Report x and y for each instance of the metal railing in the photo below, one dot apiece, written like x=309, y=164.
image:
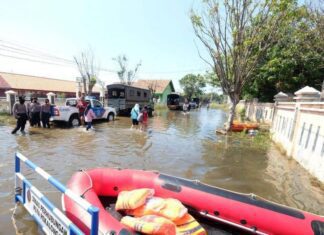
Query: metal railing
x=50, y=218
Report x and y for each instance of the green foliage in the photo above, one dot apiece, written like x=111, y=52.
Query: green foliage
x=236, y=35
x=93, y=80
x=192, y=85
x=212, y=79
x=296, y=60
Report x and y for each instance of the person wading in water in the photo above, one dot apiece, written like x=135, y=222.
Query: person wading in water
x=81, y=105
x=134, y=114
x=46, y=113
x=20, y=113
x=34, y=111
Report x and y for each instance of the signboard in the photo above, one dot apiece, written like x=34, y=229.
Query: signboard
x=37, y=208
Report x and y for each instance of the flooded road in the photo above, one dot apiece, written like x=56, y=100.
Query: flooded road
x=176, y=144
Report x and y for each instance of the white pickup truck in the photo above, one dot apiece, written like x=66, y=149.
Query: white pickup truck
x=70, y=113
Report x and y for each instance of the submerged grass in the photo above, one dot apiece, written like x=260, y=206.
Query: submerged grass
x=214, y=105
x=160, y=107
x=5, y=118
x=260, y=141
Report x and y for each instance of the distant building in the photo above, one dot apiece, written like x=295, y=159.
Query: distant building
x=159, y=88
x=39, y=86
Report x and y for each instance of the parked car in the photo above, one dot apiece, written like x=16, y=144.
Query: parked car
x=70, y=113
x=193, y=105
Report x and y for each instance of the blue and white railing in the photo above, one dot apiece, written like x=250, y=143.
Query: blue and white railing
x=49, y=218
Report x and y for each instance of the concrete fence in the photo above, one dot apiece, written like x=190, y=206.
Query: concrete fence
x=259, y=112
x=298, y=127
x=5, y=105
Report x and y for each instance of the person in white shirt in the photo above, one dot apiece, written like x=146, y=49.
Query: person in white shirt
x=20, y=113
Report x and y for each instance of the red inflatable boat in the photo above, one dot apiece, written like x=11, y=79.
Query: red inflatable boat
x=211, y=206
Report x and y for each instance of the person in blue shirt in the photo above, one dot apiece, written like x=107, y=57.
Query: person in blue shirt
x=134, y=115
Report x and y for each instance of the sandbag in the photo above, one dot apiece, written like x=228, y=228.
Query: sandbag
x=133, y=199
x=173, y=209
x=187, y=225
x=152, y=206
x=169, y=208
x=150, y=224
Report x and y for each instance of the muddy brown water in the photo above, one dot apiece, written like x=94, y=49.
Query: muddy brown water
x=173, y=143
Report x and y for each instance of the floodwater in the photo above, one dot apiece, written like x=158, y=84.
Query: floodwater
x=176, y=144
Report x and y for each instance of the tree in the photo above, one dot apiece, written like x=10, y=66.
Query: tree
x=236, y=34
x=212, y=97
x=126, y=76
x=211, y=79
x=88, y=70
x=152, y=86
x=192, y=85
x=296, y=60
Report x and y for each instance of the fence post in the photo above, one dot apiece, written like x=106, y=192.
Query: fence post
x=11, y=98
x=95, y=220
x=17, y=170
x=51, y=97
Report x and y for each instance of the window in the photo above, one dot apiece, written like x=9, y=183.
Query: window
x=96, y=104
x=116, y=93
x=138, y=93
x=145, y=94
x=71, y=102
x=131, y=92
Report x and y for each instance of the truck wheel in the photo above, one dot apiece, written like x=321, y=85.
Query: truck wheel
x=74, y=120
x=111, y=117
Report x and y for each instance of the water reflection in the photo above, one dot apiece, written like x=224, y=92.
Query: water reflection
x=173, y=143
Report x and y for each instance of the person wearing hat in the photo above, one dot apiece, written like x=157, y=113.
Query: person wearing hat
x=20, y=113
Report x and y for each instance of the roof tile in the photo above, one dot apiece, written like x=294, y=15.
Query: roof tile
x=27, y=82
x=159, y=85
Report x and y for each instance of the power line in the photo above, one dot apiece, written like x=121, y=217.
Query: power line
x=32, y=60
x=19, y=47
x=46, y=58
x=30, y=54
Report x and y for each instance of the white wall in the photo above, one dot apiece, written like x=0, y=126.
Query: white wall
x=299, y=129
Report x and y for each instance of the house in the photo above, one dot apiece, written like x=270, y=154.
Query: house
x=160, y=88
x=32, y=85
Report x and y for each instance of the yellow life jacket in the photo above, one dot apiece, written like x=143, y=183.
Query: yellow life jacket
x=133, y=199
x=150, y=224
x=187, y=225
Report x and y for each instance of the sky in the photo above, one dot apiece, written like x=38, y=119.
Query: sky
x=156, y=32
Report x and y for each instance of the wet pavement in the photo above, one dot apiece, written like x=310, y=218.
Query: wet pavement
x=173, y=143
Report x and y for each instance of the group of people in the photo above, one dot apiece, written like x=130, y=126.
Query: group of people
x=37, y=113
x=139, y=117
x=33, y=111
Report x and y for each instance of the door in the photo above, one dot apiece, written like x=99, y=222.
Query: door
x=98, y=109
